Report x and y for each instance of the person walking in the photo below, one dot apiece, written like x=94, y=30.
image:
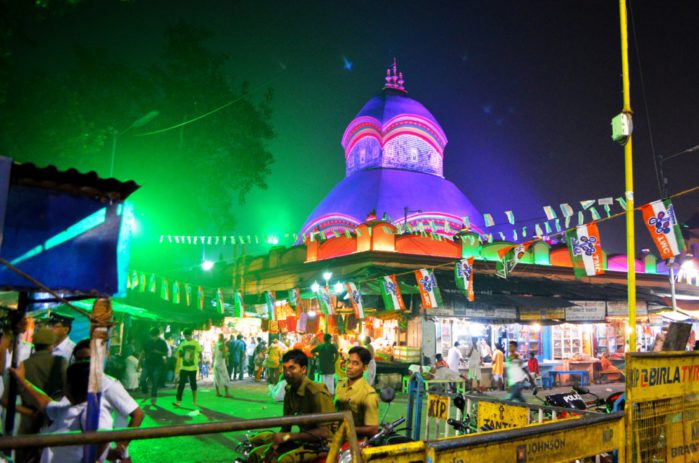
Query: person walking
x=327, y=355
x=260, y=357
x=152, y=362
x=189, y=351
x=237, y=356
x=230, y=346
x=498, y=368
x=516, y=374
x=273, y=362
x=221, y=378
x=250, y=353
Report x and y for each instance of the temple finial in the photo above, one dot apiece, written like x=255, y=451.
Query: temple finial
x=394, y=79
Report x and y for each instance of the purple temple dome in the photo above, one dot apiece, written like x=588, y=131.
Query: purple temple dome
x=394, y=151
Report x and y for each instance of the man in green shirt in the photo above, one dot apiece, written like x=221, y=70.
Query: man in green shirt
x=189, y=351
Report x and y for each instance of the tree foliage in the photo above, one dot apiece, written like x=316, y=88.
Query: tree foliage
x=194, y=162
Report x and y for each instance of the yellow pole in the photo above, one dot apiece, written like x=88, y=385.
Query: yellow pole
x=628, y=165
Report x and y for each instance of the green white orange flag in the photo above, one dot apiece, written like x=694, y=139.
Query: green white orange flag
x=219, y=301
x=585, y=250
x=431, y=297
x=239, y=305
x=295, y=298
x=142, y=284
x=463, y=275
x=325, y=301
x=176, y=297
x=509, y=258
x=200, y=296
x=390, y=292
x=270, y=304
x=659, y=217
x=188, y=294
x=151, y=284
x=356, y=299
x=165, y=289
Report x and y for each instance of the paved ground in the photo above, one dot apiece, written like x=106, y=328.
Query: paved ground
x=250, y=400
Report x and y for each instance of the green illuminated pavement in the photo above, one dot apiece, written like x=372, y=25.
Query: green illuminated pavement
x=250, y=400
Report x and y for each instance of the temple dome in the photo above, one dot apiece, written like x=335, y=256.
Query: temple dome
x=394, y=150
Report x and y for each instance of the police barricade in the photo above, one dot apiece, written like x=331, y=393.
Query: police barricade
x=662, y=409
x=592, y=436
x=346, y=431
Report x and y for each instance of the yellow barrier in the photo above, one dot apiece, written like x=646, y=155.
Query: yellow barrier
x=662, y=393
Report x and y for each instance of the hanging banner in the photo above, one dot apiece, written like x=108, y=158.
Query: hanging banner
x=509, y=258
x=585, y=250
x=356, y=300
x=295, y=298
x=659, y=218
x=431, y=297
x=176, y=298
x=188, y=294
x=164, y=289
x=239, y=306
x=325, y=300
x=463, y=275
x=200, y=295
x=390, y=292
x=270, y=303
x=220, y=306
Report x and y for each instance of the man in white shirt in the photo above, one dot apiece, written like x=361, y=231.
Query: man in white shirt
x=119, y=404
x=62, y=325
x=67, y=414
x=454, y=358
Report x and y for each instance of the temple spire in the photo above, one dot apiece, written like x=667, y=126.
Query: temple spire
x=394, y=79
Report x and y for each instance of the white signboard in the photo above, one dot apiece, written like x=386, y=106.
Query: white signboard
x=621, y=308
x=493, y=314
x=586, y=311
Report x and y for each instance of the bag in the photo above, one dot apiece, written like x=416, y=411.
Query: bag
x=278, y=391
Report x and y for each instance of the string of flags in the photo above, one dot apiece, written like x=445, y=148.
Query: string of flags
x=426, y=227
x=583, y=242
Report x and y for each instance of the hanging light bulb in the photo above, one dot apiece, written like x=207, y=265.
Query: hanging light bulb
x=338, y=288
x=315, y=287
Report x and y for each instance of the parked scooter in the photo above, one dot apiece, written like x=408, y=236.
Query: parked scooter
x=574, y=400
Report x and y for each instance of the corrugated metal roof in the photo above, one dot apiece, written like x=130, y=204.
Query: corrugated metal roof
x=72, y=181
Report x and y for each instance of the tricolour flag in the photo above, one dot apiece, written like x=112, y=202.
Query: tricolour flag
x=200, y=296
x=509, y=258
x=142, y=284
x=188, y=294
x=165, y=289
x=659, y=217
x=219, y=301
x=176, y=298
x=431, y=298
x=270, y=304
x=295, y=298
x=550, y=213
x=463, y=275
x=390, y=292
x=356, y=299
x=489, y=222
x=325, y=301
x=566, y=210
x=585, y=250
x=239, y=305
x=151, y=284
x=510, y=217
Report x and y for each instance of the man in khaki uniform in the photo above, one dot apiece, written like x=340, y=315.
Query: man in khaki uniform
x=355, y=394
x=302, y=397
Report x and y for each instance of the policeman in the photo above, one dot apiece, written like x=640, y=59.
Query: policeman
x=355, y=394
x=302, y=397
x=61, y=326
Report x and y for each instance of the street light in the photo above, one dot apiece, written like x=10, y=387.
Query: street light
x=327, y=276
x=207, y=265
x=315, y=287
x=140, y=122
x=338, y=288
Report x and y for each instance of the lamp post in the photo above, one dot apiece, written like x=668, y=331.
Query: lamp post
x=140, y=122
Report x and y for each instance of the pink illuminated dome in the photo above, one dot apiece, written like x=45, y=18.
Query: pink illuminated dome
x=394, y=151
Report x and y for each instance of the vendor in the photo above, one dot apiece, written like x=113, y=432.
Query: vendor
x=607, y=366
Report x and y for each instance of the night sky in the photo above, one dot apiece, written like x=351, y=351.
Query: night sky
x=524, y=91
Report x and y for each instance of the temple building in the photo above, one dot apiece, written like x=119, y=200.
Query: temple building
x=394, y=152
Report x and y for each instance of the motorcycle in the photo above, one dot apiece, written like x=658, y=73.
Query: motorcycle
x=464, y=425
x=574, y=400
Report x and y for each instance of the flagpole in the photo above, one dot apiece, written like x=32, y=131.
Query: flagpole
x=628, y=168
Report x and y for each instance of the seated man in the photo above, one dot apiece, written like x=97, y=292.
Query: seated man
x=355, y=394
x=302, y=397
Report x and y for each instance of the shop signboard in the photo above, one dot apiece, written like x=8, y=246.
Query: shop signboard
x=586, y=311
x=558, y=313
x=438, y=406
x=621, y=308
x=661, y=375
x=500, y=416
x=496, y=313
